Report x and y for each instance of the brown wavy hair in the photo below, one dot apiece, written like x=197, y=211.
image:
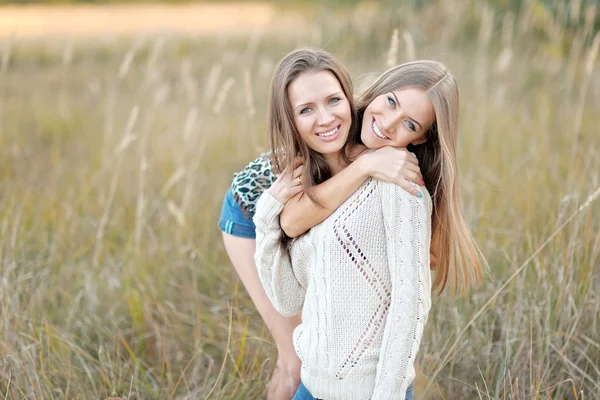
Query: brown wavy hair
x=286, y=143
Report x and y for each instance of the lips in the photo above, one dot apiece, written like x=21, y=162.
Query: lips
x=377, y=131
x=329, y=135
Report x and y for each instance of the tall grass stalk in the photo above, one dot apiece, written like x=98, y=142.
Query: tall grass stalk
x=589, y=64
x=449, y=351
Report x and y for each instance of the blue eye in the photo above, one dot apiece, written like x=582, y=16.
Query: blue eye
x=392, y=102
x=334, y=100
x=411, y=126
x=305, y=110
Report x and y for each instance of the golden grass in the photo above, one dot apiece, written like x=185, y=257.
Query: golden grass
x=115, y=156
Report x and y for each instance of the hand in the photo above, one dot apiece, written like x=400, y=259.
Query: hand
x=288, y=184
x=284, y=382
x=393, y=165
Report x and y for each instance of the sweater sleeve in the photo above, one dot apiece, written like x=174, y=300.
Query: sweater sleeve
x=407, y=221
x=273, y=260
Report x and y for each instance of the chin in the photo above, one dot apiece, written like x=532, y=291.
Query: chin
x=333, y=149
x=367, y=141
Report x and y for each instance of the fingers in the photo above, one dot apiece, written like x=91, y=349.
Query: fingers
x=298, y=161
x=297, y=188
x=298, y=171
x=286, y=186
x=412, y=167
x=414, y=177
x=411, y=159
x=410, y=188
x=290, y=178
x=273, y=386
x=284, y=174
x=412, y=172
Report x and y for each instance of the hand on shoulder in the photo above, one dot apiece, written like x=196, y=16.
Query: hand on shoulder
x=288, y=184
x=398, y=166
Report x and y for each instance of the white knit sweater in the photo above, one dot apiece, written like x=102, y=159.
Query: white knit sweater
x=362, y=281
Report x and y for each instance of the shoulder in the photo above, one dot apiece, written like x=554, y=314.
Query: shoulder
x=392, y=193
x=252, y=181
x=261, y=163
x=358, y=150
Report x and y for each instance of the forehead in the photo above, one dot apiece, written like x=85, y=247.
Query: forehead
x=313, y=86
x=416, y=104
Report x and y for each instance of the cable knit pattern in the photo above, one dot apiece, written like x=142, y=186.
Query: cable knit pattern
x=362, y=281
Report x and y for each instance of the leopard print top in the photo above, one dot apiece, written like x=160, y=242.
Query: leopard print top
x=250, y=183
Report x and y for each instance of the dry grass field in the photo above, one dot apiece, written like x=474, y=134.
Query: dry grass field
x=116, y=148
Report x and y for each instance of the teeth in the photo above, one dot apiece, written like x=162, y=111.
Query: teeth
x=327, y=134
x=378, y=132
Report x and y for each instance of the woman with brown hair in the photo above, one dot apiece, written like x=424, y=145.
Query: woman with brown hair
x=388, y=164
x=361, y=277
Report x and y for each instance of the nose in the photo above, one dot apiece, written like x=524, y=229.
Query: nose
x=324, y=117
x=390, y=122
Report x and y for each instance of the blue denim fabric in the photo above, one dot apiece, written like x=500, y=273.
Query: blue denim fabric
x=234, y=221
x=410, y=393
x=304, y=394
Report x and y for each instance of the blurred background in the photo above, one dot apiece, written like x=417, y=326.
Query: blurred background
x=121, y=125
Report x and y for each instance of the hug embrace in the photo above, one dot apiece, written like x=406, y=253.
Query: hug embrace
x=337, y=231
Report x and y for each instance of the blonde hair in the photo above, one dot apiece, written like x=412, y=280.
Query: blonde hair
x=286, y=143
x=459, y=260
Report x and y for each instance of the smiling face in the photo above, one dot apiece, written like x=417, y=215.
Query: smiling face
x=321, y=112
x=397, y=119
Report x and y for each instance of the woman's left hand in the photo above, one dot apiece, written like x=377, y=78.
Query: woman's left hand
x=288, y=184
x=285, y=381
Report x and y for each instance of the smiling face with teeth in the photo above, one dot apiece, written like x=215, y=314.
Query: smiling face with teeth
x=397, y=119
x=322, y=113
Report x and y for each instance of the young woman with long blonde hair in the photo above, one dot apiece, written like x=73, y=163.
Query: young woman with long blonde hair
x=393, y=165
x=361, y=277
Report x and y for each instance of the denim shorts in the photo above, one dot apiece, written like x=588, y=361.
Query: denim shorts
x=234, y=220
x=304, y=394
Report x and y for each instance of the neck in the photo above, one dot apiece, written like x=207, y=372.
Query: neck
x=335, y=162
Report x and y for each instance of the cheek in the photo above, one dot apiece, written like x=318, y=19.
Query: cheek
x=377, y=106
x=365, y=124
x=373, y=110
x=304, y=127
x=344, y=112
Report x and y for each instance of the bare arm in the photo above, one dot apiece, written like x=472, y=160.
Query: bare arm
x=286, y=376
x=386, y=164
x=300, y=213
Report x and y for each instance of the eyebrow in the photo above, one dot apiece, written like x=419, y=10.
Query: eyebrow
x=414, y=120
x=310, y=102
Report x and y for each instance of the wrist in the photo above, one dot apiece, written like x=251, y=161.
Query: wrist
x=276, y=192
x=283, y=332
x=364, y=165
x=290, y=363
